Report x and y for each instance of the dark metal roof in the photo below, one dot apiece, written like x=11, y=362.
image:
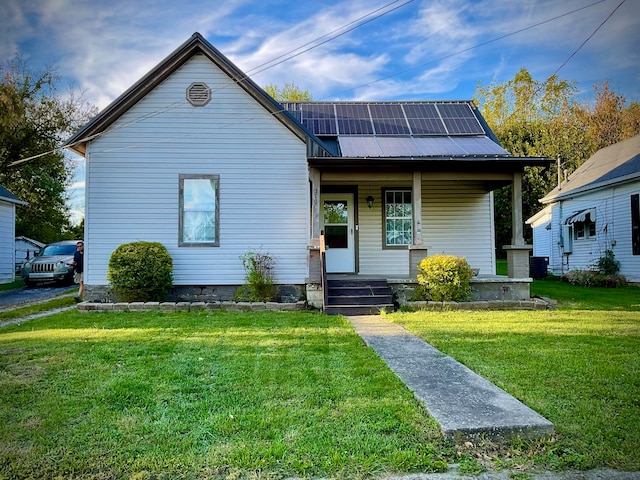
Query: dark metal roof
x=10, y=197
x=610, y=165
x=427, y=130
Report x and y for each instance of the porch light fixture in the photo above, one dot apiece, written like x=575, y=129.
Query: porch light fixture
x=370, y=202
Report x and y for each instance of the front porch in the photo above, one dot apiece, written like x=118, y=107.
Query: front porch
x=487, y=291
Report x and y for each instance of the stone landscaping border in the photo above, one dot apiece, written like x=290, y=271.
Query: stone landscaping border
x=533, y=304
x=191, y=306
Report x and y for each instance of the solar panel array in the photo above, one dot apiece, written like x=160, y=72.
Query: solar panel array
x=392, y=118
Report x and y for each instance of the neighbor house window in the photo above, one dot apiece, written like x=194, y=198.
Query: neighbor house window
x=199, y=222
x=586, y=229
x=398, y=211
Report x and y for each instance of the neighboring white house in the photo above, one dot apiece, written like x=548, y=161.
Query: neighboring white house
x=196, y=156
x=8, y=202
x=596, y=209
x=26, y=249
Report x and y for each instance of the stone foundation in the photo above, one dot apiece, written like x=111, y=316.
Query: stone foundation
x=196, y=293
x=191, y=306
x=483, y=289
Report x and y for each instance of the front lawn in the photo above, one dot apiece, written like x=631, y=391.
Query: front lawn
x=152, y=395
x=579, y=366
x=159, y=395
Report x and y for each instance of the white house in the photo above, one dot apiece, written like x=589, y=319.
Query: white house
x=594, y=210
x=8, y=202
x=196, y=156
x=26, y=248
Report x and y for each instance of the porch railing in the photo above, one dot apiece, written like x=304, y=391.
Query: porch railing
x=323, y=271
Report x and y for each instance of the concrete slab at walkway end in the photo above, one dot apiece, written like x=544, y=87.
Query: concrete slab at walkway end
x=466, y=406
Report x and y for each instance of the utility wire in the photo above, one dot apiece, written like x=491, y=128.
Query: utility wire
x=328, y=34
x=359, y=86
x=237, y=81
x=541, y=86
x=588, y=38
x=482, y=44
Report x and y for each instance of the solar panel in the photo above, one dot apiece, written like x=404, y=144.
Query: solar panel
x=459, y=119
x=353, y=119
x=319, y=118
x=388, y=119
x=423, y=119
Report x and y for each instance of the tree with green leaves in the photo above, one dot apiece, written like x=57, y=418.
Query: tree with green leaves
x=533, y=118
x=34, y=122
x=290, y=92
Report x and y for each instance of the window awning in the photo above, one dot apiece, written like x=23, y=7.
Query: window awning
x=581, y=216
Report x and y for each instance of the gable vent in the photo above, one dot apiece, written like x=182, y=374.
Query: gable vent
x=198, y=94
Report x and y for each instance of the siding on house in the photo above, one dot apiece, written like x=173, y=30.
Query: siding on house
x=7, y=238
x=133, y=181
x=613, y=231
x=457, y=219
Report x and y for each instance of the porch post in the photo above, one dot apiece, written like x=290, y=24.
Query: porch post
x=517, y=222
x=417, y=251
x=314, y=176
x=417, y=208
x=314, y=292
x=518, y=251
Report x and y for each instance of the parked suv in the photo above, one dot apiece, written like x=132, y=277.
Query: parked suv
x=50, y=265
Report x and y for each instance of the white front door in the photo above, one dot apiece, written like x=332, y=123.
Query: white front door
x=338, y=226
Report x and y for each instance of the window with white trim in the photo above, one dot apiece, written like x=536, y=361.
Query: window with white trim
x=584, y=230
x=398, y=212
x=199, y=222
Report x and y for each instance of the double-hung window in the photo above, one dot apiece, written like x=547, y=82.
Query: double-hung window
x=584, y=230
x=199, y=222
x=398, y=211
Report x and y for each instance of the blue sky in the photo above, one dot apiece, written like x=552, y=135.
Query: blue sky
x=420, y=49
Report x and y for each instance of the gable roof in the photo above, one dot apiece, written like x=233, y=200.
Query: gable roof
x=612, y=165
x=445, y=134
x=197, y=44
x=31, y=241
x=9, y=197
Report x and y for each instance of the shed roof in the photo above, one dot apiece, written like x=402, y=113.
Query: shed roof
x=7, y=196
x=612, y=165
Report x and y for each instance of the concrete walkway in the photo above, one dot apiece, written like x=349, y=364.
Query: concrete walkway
x=466, y=406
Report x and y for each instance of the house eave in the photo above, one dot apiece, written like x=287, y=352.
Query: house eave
x=434, y=163
x=586, y=189
x=194, y=46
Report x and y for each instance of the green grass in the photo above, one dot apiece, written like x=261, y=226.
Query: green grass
x=574, y=297
x=501, y=267
x=206, y=395
x=18, y=283
x=579, y=366
x=151, y=395
x=25, y=311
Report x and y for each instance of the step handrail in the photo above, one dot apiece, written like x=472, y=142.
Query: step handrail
x=323, y=272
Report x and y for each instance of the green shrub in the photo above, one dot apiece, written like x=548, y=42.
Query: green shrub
x=259, y=277
x=445, y=278
x=610, y=281
x=583, y=278
x=140, y=272
x=607, y=264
